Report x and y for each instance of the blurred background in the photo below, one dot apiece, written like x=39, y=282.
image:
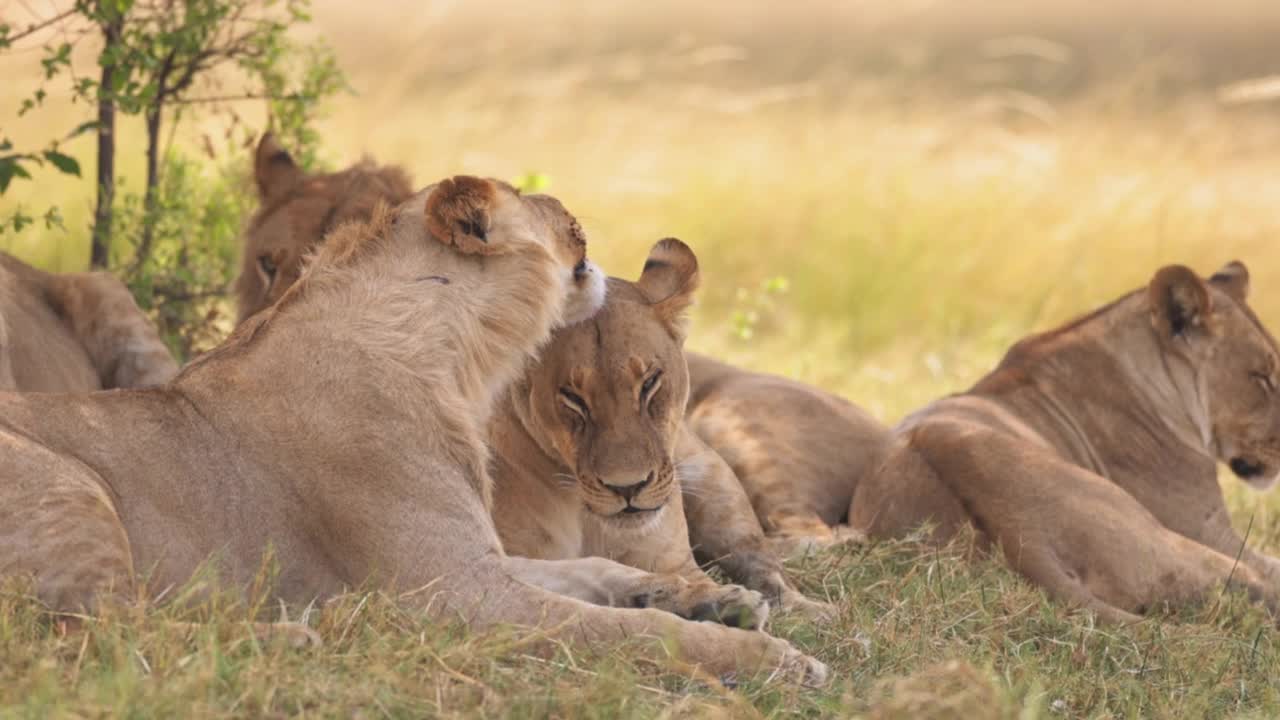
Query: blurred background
x=882, y=195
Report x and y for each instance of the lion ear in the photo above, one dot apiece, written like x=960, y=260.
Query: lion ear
x=670, y=279
x=458, y=213
x=274, y=169
x=1180, y=301
x=1233, y=279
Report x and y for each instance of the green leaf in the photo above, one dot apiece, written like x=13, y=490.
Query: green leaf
x=65, y=163
x=81, y=129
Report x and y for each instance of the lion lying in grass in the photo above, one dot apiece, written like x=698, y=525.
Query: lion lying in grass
x=592, y=458
x=74, y=332
x=1089, y=456
x=343, y=429
x=798, y=452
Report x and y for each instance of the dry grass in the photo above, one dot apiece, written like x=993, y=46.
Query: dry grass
x=931, y=184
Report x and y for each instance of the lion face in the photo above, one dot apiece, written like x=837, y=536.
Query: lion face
x=607, y=395
x=1238, y=365
x=297, y=210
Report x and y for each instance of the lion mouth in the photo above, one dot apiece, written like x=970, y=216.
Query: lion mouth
x=633, y=510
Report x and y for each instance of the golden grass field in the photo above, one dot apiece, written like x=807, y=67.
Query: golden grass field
x=883, y=196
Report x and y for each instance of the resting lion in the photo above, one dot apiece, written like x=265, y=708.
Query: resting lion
x=798, y=452
x=296, y=210
x=592, y=456
x=1089, y=455
x=373, y=377
x=74, y=332
x=289, y=223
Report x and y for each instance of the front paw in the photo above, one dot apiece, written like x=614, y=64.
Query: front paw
x=731, y=605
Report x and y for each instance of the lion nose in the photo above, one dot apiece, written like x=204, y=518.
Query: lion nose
x=629, y=491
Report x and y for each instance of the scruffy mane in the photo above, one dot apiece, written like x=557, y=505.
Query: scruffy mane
x=352, y=194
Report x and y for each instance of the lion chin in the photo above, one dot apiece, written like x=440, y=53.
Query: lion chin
x=630, y=523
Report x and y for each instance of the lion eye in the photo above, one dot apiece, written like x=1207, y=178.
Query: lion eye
x=650, y=385
x=574, y=402
x=267, y=264
x=1265, y=380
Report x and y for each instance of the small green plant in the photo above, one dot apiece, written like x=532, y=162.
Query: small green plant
x=754, y=308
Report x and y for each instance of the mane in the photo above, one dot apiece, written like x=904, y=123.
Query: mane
x=351, y=194
x=347, y=245
x=1016, y=365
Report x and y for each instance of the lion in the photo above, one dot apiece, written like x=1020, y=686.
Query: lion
x=296, y=210
x=289, y=223
x=376, y=477
x=1089, y=455
x=799, y=452
x=592, y=458
x=74, y=332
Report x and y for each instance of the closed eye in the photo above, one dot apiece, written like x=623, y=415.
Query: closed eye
x=1265, y=380
x=650, y=386
x=574, y=402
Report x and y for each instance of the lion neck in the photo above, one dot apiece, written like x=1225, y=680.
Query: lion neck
x=1109, y=397
x=411, y=341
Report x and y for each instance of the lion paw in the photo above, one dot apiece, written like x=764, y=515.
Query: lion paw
x=731, y=605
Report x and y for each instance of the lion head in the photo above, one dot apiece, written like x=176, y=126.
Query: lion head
x=297, y=211
x=1235, y=362
x=606, y=396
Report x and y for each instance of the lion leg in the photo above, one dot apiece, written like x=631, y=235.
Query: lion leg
x=607, y=583
x=723, y=528
x=122, y=342
x=58, y=526
x=490, y=592
x=1077, y=534
x=903, y=494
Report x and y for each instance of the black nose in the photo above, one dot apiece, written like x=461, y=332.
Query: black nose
x=1245, y=468
x=627, y=492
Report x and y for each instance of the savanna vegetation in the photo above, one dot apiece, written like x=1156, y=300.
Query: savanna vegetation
x=883, y=197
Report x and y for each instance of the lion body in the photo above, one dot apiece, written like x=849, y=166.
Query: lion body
x=1089, y=456
x=74, y=332
x=799, y=452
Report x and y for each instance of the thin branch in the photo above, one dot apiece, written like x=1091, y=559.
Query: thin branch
x=37, y=27
x=234, y=98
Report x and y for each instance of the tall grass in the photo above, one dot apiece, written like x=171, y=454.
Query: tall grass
x=886, y=196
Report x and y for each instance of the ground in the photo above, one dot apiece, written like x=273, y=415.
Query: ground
x=882, y=200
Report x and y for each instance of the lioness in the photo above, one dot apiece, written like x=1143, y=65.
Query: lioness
x=798, y=452
x=74, y=332
x=1089, y=454
x=592, y=456
x=344, y=428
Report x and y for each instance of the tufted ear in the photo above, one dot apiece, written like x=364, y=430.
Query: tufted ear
x=274, y=169
x=1180, y=301
x=458, y=214
x=1233, y=279
x=670, y=279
